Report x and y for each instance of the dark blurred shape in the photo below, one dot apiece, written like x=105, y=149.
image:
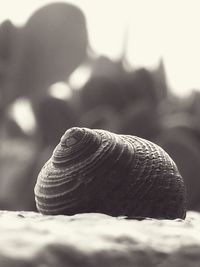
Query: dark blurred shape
x=134, y=97
x=7, y=33
x=8, y=39
x=102, y=91
x=182, y=121
x=104, y=66
x=191, y=104
x=141, y=119
x=160, y=81
x=140, y=87
x=54, y=42
x=101, y=117
x=54, y=117
x=141, y=115
x=181, y=139
x=16, y=181
x=13, y=129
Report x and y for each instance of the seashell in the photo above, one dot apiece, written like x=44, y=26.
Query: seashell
x=103, y=172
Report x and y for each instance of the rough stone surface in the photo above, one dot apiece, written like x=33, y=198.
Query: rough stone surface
x=97, y=240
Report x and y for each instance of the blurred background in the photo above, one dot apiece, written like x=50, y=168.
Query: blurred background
x=130, y=67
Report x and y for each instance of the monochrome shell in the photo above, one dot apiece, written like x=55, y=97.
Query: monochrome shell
x=99, y=171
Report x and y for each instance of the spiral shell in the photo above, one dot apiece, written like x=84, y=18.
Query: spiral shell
x=99, y=171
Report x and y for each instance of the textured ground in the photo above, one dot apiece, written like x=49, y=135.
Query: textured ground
x=30, y=239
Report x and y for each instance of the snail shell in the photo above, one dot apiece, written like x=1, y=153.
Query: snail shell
x=99, y=171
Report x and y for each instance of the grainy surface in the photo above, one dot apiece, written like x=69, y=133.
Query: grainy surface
x=30, y=239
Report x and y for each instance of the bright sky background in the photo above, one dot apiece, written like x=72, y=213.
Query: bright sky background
x=158, y=28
